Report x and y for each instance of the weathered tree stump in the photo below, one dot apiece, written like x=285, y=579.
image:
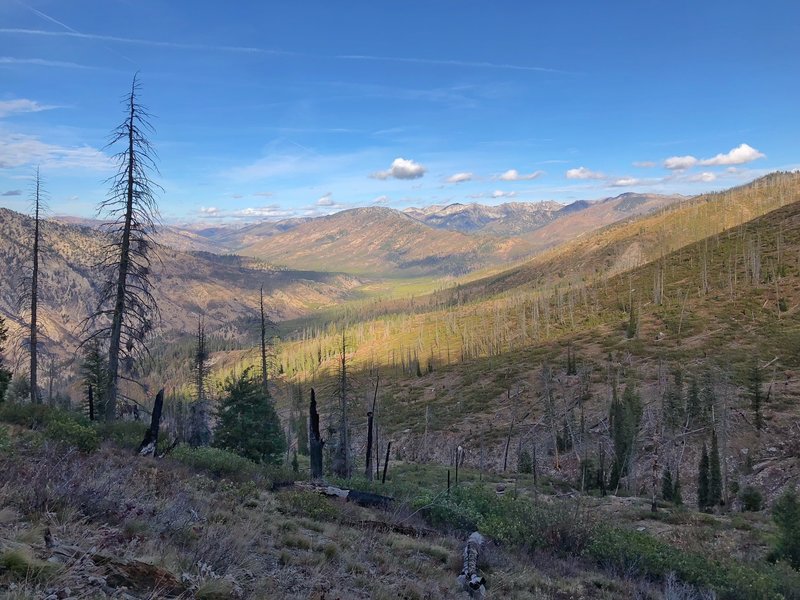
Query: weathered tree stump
x=470, y=579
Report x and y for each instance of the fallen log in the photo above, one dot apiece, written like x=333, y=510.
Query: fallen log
x=470, y=579
x=361, y=498
x=395, y=528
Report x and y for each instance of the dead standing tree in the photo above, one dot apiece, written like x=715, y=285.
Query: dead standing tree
x=315, y=441
x=341, y=460
x=37, y=201
x=127, y=309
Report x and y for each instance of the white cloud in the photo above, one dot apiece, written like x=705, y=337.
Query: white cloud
x=680, y=163
x=272, y=211
x=584, y=173
x=12, y=193
x=459, y=178
x=263, y=194
x=644, y=164
x=21, y=105
x=705, y=177
x=381, y=200
x=737, y=156
x=17, y=150
x=401, y=169
x=326, y=200
x=626, y=181
x=514, y=175
x=502, y=194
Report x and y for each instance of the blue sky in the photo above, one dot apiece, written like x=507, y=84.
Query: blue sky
x=274, y=109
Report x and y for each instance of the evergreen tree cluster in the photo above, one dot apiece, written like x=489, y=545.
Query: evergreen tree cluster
x=626, y=416
x=247, y=423
x=709, y=477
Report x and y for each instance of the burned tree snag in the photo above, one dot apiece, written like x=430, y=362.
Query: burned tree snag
x=150, y=441
x=370, y=417
x=386, y=462
x=315, y=439
x=91, y=402
x=473, y=582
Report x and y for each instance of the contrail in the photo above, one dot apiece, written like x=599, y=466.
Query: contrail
x=155, y=43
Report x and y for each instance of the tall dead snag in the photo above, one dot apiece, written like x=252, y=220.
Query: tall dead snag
x=127, y=309
x=370, y=417
x=314, y=438
x=341, y=458
x=470, y=579
x=150, y=441
x=34, y=291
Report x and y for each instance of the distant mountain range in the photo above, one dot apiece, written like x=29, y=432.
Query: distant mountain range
x=434, y=240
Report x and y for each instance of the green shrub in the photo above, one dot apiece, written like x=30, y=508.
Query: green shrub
x=32, y=416
x=751, y=499
x=22, y=566
x=514, y=521
x=72, y=433
x=128, y=434
x=308, y=504
x=633, y=551
x=786, y=514
x=216, y=461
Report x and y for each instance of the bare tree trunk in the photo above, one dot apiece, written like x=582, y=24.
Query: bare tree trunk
x=150, y=441
x=91, y=403
x=470, y=579
x=386, y=462
x=35, y=399
x=315, y=439
x=370, y=414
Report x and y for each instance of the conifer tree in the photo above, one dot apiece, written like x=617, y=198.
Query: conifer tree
x=703, y=481
x=667, y=486
x=247, y=423
x=626, y=415
x=94, y=372
x=677, y=496
x=199, y=429
x=715, y=473
x=786, y=514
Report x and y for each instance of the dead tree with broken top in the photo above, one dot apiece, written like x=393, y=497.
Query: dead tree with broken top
x=315, y=441
x=127, y=310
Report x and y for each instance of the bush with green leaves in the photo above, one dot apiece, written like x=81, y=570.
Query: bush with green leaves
x=786, y=514
x=308, y=504
x=247, y=423
x=72, y=433
x=127, y=434
x=515, y=521
x=216, y=461
x=59, y=425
